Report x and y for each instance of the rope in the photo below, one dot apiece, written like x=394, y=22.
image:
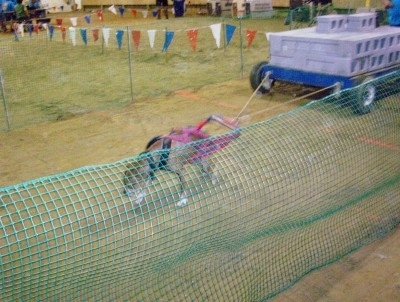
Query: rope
x=288, y=102
x=252, y=96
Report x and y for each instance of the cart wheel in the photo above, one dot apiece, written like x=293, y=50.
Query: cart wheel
x=257, y=77
x=365, y=99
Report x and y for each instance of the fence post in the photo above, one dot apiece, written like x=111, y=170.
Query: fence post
x=4, y=101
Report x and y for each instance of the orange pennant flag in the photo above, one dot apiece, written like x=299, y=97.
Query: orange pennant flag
x=63, y=33
x=100, y=15
x=36, y=28
x=250, y=36
x=192, y=34
x=136, y=38
x=95, y=33
x=134, y=12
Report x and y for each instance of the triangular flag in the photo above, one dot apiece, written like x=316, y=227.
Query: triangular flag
x=119, y=35
x=134, y=12
x=63, y=33
x=51, y=31
x=21, y=29
x=136, y=38
x=88, y=19
x=230, y=30
x=250, y=34
x=121, y=11
x=83, y=32
x=192, y=34
x=36, y=28
x=144, y=13
x=72, y=35
x=74, y=21
x=106, y=35
x=100, y=15
x=169, y=36
x=152, y=35
x=216, y=32
x=95, y=33
x=59, y=22
x=112, y=9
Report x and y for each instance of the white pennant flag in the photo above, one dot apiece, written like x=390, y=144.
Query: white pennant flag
x=112, y=9
x=20, y=29
x=72, y=35
x=106, y=35
x=152, y=36
x=74, y=21
x=216, y=32
x=144, y=13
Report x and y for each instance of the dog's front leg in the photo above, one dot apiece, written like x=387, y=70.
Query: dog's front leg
x=182, y=200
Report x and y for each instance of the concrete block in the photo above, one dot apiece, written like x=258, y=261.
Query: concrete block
x=393, y=57
x=331, y=23
x=378, y=60
x=361, y=22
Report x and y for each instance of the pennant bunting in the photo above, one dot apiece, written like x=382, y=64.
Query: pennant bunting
x=192, y=34
x=169, y=36
x=119, y=35
x=72, y=35
x=121, y=11
x=250, y=34
x=88, y=19
x=134, y=12
x=216, y=32
x=51, y=32
x=112, y=9
x=144, y=13
x=59, y=22
x=29, y=27
x=100, y=15
x=229, y=30
x=63, y=33
x=83, y=32
x=106, y=35
x=136, y=38
x=36, y=28
x=152, y=36
x=95, y=34
x=74, y=21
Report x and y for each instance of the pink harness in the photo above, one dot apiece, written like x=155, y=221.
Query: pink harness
x=203, y=149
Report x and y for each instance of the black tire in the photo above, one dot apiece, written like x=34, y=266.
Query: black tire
x=256, y=77
x=365, y=99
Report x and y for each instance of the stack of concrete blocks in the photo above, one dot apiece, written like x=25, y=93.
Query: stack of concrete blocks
x=344, y=45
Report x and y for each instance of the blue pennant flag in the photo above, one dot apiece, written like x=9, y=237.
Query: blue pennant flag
x=51, y=31
x=230, y=30
x=119, y=34
x=169, y=35
x=30, y=29
x=84, y=35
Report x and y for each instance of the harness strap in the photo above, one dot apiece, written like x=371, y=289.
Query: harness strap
x=166, y=147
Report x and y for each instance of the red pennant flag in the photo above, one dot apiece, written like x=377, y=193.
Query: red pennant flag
x=36, y=28
x=63, y=33
x=250, y=36
x=192, y=34
x=136, y=38
x=95, y=33
x=59, y=22
x=100, y=15
x=134, y=12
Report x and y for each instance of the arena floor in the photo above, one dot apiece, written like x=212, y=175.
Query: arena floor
x=369, y=274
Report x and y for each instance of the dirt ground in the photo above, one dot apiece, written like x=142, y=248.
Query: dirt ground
x=369, y=274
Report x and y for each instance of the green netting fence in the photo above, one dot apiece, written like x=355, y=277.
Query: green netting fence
x=293, y=193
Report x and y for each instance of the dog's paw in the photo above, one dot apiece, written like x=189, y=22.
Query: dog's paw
x=140, y=197
x=182, y=202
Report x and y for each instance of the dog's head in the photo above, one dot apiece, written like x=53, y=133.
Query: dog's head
x=136, y=178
